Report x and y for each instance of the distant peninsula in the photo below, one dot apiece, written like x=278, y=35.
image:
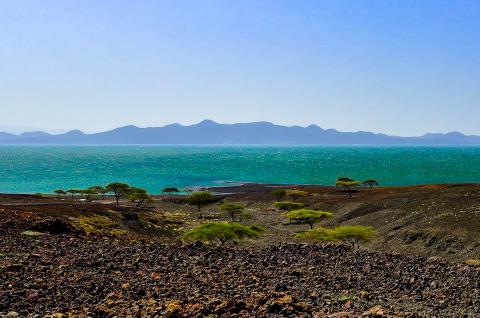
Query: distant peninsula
x=210, y=132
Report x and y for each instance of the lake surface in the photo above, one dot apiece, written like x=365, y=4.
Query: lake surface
x=31, y=169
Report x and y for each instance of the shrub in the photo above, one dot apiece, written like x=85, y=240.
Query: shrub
x=279, y=194
x=353, y=234
x=309, y=216
x=288, y=206
x=199, y=199
x=232, y=208
x=319, y=234
x=170, y=190
x=370, y=183
x=223, y=232
x=295, y=194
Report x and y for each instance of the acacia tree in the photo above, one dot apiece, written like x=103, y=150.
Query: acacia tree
x=345, y=179
x=295, y=194
x=348, y=186
x=59, y=192
x=118, y=189
x=170, y=190
x=232, y=208
x=99, y=190
x=308, y=216
x=353, y=234
x=74, y=191
x=199, y=199
x=370, y=183
x=138, y=196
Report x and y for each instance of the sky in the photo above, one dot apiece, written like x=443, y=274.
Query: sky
x=401, y=67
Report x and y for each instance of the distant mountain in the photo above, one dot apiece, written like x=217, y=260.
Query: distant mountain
x=210, y=132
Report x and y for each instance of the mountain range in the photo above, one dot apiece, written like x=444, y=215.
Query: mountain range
x=210, y=132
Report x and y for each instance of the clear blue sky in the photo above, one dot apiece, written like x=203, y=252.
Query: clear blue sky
x=399, y=67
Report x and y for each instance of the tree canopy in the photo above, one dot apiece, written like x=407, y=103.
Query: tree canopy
x=138, y=196
x=199, y=199
x=118, y=189
x=232, y=208
x=370, y=183
x=348, y=185
x=295, y=194
x=288, y=206
x=308, y=216
x=223, y=232
x=349, y=234
x=170, y=190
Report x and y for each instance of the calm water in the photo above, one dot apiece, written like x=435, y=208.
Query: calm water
x=31, y=169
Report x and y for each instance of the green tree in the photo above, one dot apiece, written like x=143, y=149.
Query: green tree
x=279, y=194
x=288, y=206
x=345, y=179
x=98, y=190
x=348, y=186
x=138, y=196
x=370, y=183
x=223, y=232
x=353, y=234
x=296, y=194
x=118, y=189
x=232, y=208
x=59, y=192
x=308, y=216
x=89, y=193
x=199, y=199
x=170, y=190
x=74, y=191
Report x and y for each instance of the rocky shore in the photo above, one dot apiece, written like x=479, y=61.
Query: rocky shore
x=77, y=276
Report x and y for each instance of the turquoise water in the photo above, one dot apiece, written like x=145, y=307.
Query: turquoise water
x=30, y=169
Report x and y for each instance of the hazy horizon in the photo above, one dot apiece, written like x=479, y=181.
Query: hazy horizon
x=20, y=130
x=401, y=68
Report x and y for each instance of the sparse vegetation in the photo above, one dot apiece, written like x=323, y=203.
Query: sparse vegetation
x=319, y=234
x=288, y=206
x=370, y=183
x=353, y=234
x=345, y=179
x=199, y=199
x=308, y=216
x=98, y=190
x=59, y=192
x=170, y=190
x=279, y=194
x=349, y=234
x=296, y=194
x=138, y=196
x=97, y=224
x=233, y=209
x=223, y=232
x=73, y=192
x=348, y=185
x=118, y=189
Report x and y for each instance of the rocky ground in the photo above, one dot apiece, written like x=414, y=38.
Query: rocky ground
x=74, y=276
x=70, y=258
